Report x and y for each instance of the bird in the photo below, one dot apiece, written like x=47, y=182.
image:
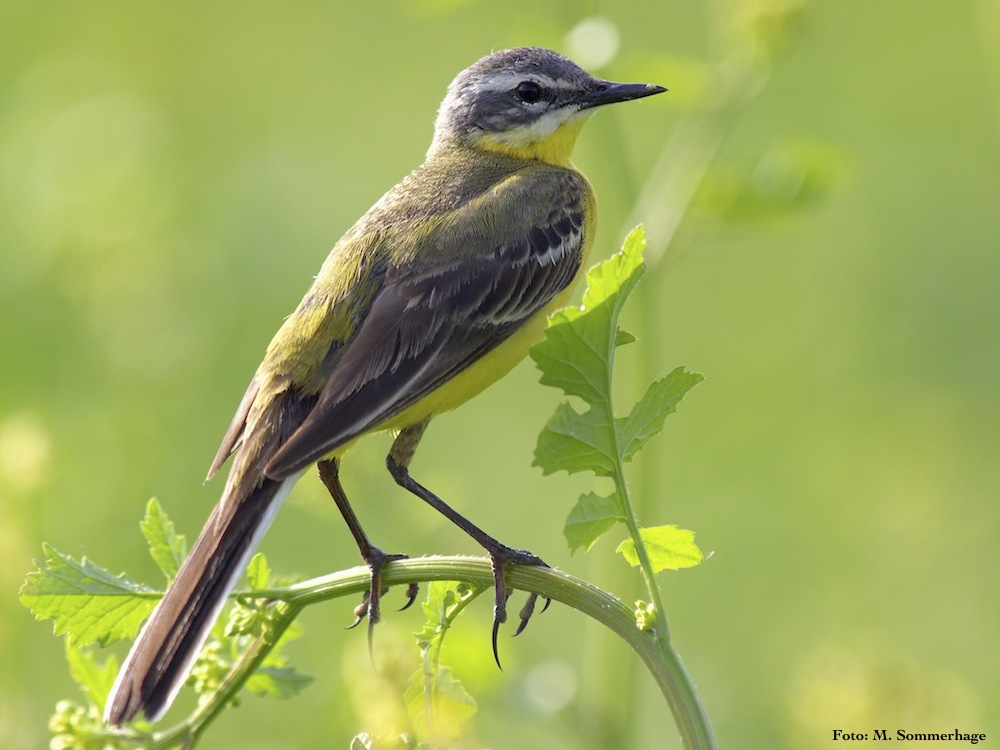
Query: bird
x=439, y=290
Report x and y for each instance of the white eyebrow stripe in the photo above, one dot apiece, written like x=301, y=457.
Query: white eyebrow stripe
x=507, y=79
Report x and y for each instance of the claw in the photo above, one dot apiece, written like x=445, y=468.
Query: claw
x=500, y=559
x=527, y=611
x=360, y=612
x=370, y=606
x=398, y=462
x=371, y=641
x=496, y=653
x=499, y=603
x=411, y=595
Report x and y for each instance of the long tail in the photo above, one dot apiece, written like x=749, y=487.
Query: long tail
x=171, y=639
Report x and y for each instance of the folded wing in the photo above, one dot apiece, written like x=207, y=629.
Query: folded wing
x=426, y=325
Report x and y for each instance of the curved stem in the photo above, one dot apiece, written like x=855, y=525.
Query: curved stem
x=663, y=663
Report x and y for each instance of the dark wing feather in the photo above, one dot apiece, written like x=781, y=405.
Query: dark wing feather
x=235, y=432
x=424, y=328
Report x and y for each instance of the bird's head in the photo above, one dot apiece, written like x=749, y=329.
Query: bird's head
x=528, y=102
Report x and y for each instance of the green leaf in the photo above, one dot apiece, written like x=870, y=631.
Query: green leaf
x=576, y=354
x=647, y=417
x=258, y=572
x=436, y=700
x=576, y=442
x=623, y=337
x=445, y=600
x=86, y=601
x=96, y=680
x=669, y=548
x=590, y=518
x=438, y=703
x=167, y=548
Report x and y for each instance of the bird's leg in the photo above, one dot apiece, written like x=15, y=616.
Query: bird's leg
x=501, y=555
x=375, y=558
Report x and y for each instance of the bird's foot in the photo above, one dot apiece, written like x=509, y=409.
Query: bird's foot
x=500, y=558
x=370, y=606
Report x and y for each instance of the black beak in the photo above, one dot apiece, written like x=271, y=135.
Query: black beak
x=607, y=92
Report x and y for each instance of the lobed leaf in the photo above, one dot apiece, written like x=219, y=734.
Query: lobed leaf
x=575, y=442
x=85, y=600
x=438, y=704
x=577, y=356
x=167, y=548
x=436, y=700
x=668, y=547
x=590, y=518
x=258, y=572
x=579, y=343
x=443, y=603
x=96, y=680
x=648, y=415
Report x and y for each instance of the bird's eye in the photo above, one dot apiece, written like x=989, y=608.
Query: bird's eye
x=528, y=91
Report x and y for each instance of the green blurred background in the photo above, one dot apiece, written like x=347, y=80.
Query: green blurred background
x=171, y=176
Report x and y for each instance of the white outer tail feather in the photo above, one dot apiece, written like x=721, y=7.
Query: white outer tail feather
x=268, y=518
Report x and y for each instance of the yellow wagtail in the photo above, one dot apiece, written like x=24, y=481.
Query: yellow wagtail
x=436, y=292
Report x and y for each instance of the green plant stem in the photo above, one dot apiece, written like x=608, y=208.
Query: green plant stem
x=188, y=733
x=689, y=712
x=431, y=656
x=663, y=663
x=661, y=203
